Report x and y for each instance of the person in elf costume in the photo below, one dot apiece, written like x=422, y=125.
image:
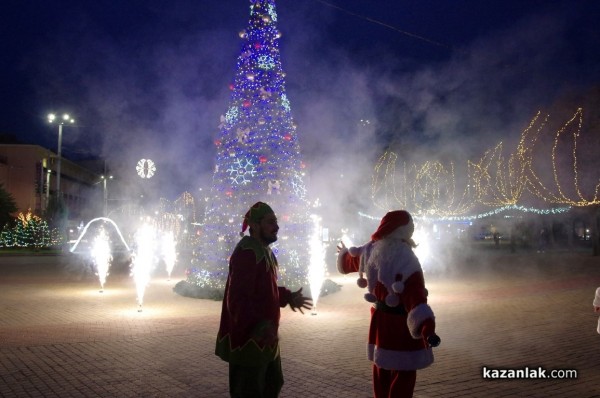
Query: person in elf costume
x=402, y=329
x=247, y=336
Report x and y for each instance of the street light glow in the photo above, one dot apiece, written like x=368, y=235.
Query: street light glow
x=66, y=118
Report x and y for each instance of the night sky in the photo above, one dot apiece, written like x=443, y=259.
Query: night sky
x=149, y=79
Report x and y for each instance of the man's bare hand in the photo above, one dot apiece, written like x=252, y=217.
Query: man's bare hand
x=298, y=301
x=341, y=246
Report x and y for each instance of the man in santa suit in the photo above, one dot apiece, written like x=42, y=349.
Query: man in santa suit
x=402, y=329
x=596, y=305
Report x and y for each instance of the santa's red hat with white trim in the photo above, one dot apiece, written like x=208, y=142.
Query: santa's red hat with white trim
x=397, y=224
x=391, y=222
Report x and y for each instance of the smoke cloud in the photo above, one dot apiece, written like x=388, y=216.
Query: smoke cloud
x=152, y=84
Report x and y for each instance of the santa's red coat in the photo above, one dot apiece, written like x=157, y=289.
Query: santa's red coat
x=397, y=335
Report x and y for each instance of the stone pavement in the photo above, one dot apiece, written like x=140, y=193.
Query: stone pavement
x=61, y=337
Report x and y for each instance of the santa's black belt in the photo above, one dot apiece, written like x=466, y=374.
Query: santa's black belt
x=383, y=307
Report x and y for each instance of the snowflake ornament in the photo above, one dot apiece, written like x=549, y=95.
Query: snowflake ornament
x=285, y=102
x=231, y=115
x=145, y=168
x=298, y=186
x=266, y=62
x=272, y=13
x=241, y=171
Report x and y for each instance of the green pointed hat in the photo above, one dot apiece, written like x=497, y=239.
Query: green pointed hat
x=255, y=214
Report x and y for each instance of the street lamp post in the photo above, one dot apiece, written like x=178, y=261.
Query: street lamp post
x=47, y=188
x=65, y=119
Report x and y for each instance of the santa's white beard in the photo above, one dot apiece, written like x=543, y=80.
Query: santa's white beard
x=386, y=253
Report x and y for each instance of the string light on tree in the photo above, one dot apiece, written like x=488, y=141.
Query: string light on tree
x=29, y=230
x=257, y=159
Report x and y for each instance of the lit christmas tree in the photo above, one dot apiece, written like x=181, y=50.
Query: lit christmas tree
x=258, y=159
x=29, y=231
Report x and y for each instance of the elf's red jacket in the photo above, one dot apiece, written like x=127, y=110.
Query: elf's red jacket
x=251, y=306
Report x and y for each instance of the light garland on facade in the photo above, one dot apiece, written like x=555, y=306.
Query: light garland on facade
x=429, y=188
x=494, y=180
x=479, y=216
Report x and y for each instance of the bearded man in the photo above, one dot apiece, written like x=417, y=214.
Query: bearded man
x=248, y=332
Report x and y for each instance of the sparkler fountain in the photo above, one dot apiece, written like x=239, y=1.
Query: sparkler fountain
x=143, y=260
x=169, y=254
x=100, y=252
x=423, y=250
x=102, y=257
x=316, y=272
x=346, y=238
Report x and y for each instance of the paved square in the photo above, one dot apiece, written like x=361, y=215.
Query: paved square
x=61, y=337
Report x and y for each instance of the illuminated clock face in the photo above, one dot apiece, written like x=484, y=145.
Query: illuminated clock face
x=145, y=168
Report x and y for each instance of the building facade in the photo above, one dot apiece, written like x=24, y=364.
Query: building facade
x=28, y=173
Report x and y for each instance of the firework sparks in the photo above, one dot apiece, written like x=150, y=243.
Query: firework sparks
x=143, y=260
x=169, y=254
x=316, y=272
x=345, y=239
x=423, y=250
x=102, y=256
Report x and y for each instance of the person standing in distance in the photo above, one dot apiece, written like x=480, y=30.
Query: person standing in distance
x=248, y=332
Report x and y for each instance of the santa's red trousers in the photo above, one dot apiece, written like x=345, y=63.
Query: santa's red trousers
x=393, y=383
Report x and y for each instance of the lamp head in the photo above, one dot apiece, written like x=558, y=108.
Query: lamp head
x=65, y=118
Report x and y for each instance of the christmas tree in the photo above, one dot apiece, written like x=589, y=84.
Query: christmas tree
x=257, y=159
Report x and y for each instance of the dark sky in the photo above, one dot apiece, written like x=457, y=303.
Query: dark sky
x=149, y=79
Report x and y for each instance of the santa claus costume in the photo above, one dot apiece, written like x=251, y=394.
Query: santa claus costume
x=402, y=328
x=596, y=304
